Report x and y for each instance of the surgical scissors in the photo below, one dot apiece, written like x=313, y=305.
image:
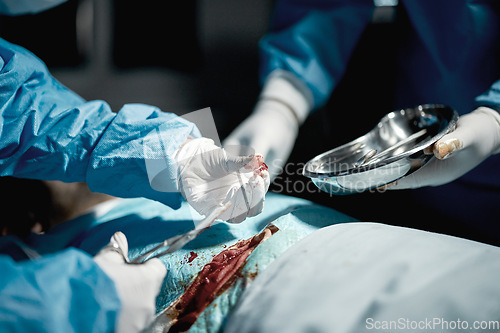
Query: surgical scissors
x=177, y=242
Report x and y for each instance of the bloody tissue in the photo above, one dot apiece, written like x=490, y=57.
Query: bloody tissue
x=214, y=278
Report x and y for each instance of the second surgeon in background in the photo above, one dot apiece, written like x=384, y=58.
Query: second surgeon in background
x=450, y=57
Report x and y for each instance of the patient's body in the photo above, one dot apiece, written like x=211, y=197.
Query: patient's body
x=321, y=270
x=35, y=206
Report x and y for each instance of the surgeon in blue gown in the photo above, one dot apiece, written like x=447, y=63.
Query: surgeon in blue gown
x=48, y=132
x=449, y=56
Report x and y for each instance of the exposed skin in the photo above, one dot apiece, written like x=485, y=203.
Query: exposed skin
x=53, y=202
x=71, y=200
x=36, y=206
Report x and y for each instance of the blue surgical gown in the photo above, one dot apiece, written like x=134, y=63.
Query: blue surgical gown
x=48, y=132
x=62, y=292
x=450, y=56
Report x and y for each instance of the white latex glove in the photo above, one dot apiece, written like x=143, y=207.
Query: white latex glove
x=137, y=285
x=271, y=130
x=476, y=137
x=211, y=177
x=273, y=126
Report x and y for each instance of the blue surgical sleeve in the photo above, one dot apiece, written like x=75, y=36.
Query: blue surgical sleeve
x=65, y=292
x=314, y=40
x=48, y=132
x=491, y=97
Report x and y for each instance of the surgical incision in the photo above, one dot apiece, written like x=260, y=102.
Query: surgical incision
x=214, y=278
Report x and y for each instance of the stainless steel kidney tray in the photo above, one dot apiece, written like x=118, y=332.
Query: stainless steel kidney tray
x=391, y=150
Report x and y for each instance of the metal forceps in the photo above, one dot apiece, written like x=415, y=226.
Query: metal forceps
x=175, y=243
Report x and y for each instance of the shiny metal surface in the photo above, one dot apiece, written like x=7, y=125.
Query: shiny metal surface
x=176, y=243
x=390, y=151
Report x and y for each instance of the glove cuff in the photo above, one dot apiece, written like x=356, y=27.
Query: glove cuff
x=284, y=87
x=496, y=117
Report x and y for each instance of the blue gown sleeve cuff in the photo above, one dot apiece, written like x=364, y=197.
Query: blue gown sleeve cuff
x=135, y=155
x=490, y=98
x=314, y=41
x=48, y=132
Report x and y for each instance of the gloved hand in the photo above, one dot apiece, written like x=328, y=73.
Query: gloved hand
x=210, y=177
x=137, y=285
x=273, y=126
x=271, y=130
x=476, y=137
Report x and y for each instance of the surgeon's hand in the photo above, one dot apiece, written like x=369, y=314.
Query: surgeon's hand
x=137, y=285
x=211, y=176
x=476, y=137
x=284, y=104
x=271, y=130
